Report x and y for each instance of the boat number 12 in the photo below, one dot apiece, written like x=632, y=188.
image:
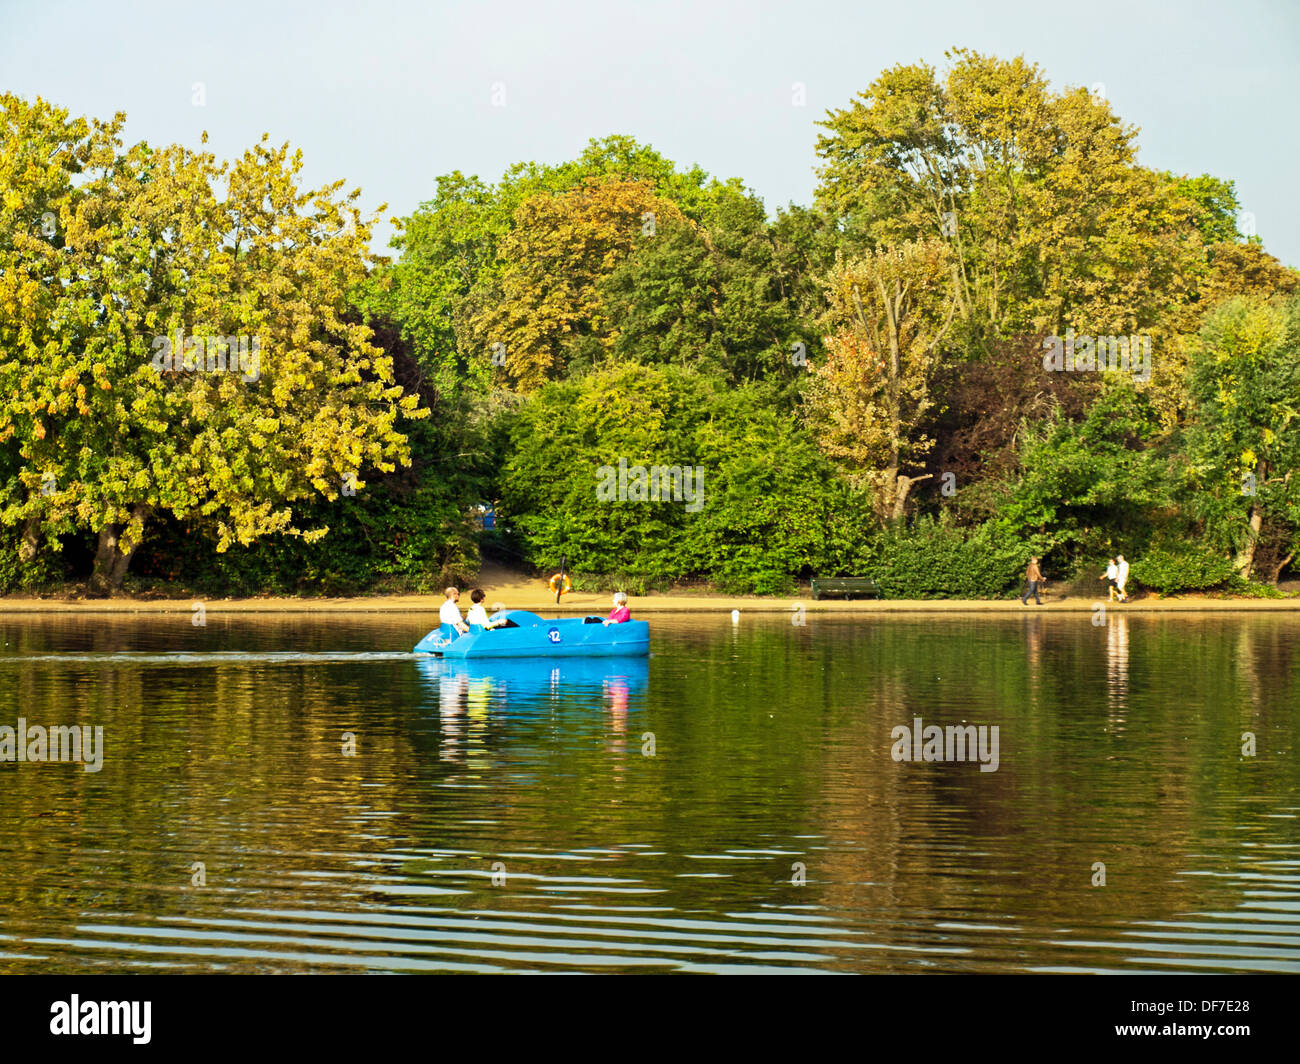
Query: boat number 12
x=553, y=635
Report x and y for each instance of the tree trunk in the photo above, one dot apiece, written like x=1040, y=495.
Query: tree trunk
x=892, y=490
x=1245, y=560
x=903, y=488
x=31, y=541
x=117, y=546
x=1277, y=569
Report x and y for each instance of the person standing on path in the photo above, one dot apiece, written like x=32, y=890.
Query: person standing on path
x=1121, y=577
x=1034, y=576
x=1111, y=576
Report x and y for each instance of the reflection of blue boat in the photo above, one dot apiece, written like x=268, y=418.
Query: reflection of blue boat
x=533, y=676
x=521, y=634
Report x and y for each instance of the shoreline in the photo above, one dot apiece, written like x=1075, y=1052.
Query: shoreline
x=539, y=601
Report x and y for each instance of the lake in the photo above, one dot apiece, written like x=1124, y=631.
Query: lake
x=282, y=793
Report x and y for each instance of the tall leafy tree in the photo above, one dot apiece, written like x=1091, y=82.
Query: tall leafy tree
x=1244, y=439
x=444, y=247
x=547, y=315
x=1216, y=206
x=665, y=299
x=45, y=152
x=767, y=504
x=1052, y=222
x=870, y=398
x=715, y=296
x=110, y=432
x=1244, y=269
x=454, y=261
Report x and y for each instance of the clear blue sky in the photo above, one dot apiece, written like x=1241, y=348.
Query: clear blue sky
x=390, y=94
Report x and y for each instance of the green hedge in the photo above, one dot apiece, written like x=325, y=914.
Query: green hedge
x=934, y=559
x=1182, y=568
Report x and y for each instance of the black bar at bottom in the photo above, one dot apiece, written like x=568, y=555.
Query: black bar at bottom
x=486, y=1014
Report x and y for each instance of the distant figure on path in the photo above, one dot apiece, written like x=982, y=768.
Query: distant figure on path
x=1121, y=577
x=620, y=613
x=450, y=612
x=1111, y=576
x=1034, y=576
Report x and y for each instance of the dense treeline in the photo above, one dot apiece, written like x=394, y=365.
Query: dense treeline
x=995, y=332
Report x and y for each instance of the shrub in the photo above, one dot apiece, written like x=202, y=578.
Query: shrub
x=1181, y=568
x=632, y=583
x=16, y=575
x=935, y=559
x=1250, y=589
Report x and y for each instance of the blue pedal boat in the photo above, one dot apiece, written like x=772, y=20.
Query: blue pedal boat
x=521, y=634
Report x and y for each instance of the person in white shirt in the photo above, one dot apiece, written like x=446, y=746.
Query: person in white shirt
x=1110, y=576
x=1121, y=577
x=450, y=612
x=477, y=614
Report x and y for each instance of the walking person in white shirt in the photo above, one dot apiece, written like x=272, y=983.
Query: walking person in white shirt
x=450, y=612
x=1111, y=576
x=1121, y=577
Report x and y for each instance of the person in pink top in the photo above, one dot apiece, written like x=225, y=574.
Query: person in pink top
x=620, y=612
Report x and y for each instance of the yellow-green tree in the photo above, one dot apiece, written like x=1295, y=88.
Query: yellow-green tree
x=271, y=394
x=548, y=311
x=869, y=399
x=1244, y=438
x=1052, y=222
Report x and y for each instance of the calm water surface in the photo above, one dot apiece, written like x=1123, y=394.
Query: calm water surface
x=509, y=818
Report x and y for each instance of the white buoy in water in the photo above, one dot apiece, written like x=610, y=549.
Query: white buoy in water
x=735, y=616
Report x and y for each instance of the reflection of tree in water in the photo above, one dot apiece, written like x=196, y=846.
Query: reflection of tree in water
x=1267, y=653
x=239, y=767
x=772, y=738
x=906, y=843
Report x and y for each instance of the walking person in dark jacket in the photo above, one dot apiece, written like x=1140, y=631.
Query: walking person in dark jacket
x=1034, y=577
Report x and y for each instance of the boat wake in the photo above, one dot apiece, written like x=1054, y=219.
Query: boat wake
x=209, y=658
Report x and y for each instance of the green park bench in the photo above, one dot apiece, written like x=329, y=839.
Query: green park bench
x=848, y=586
